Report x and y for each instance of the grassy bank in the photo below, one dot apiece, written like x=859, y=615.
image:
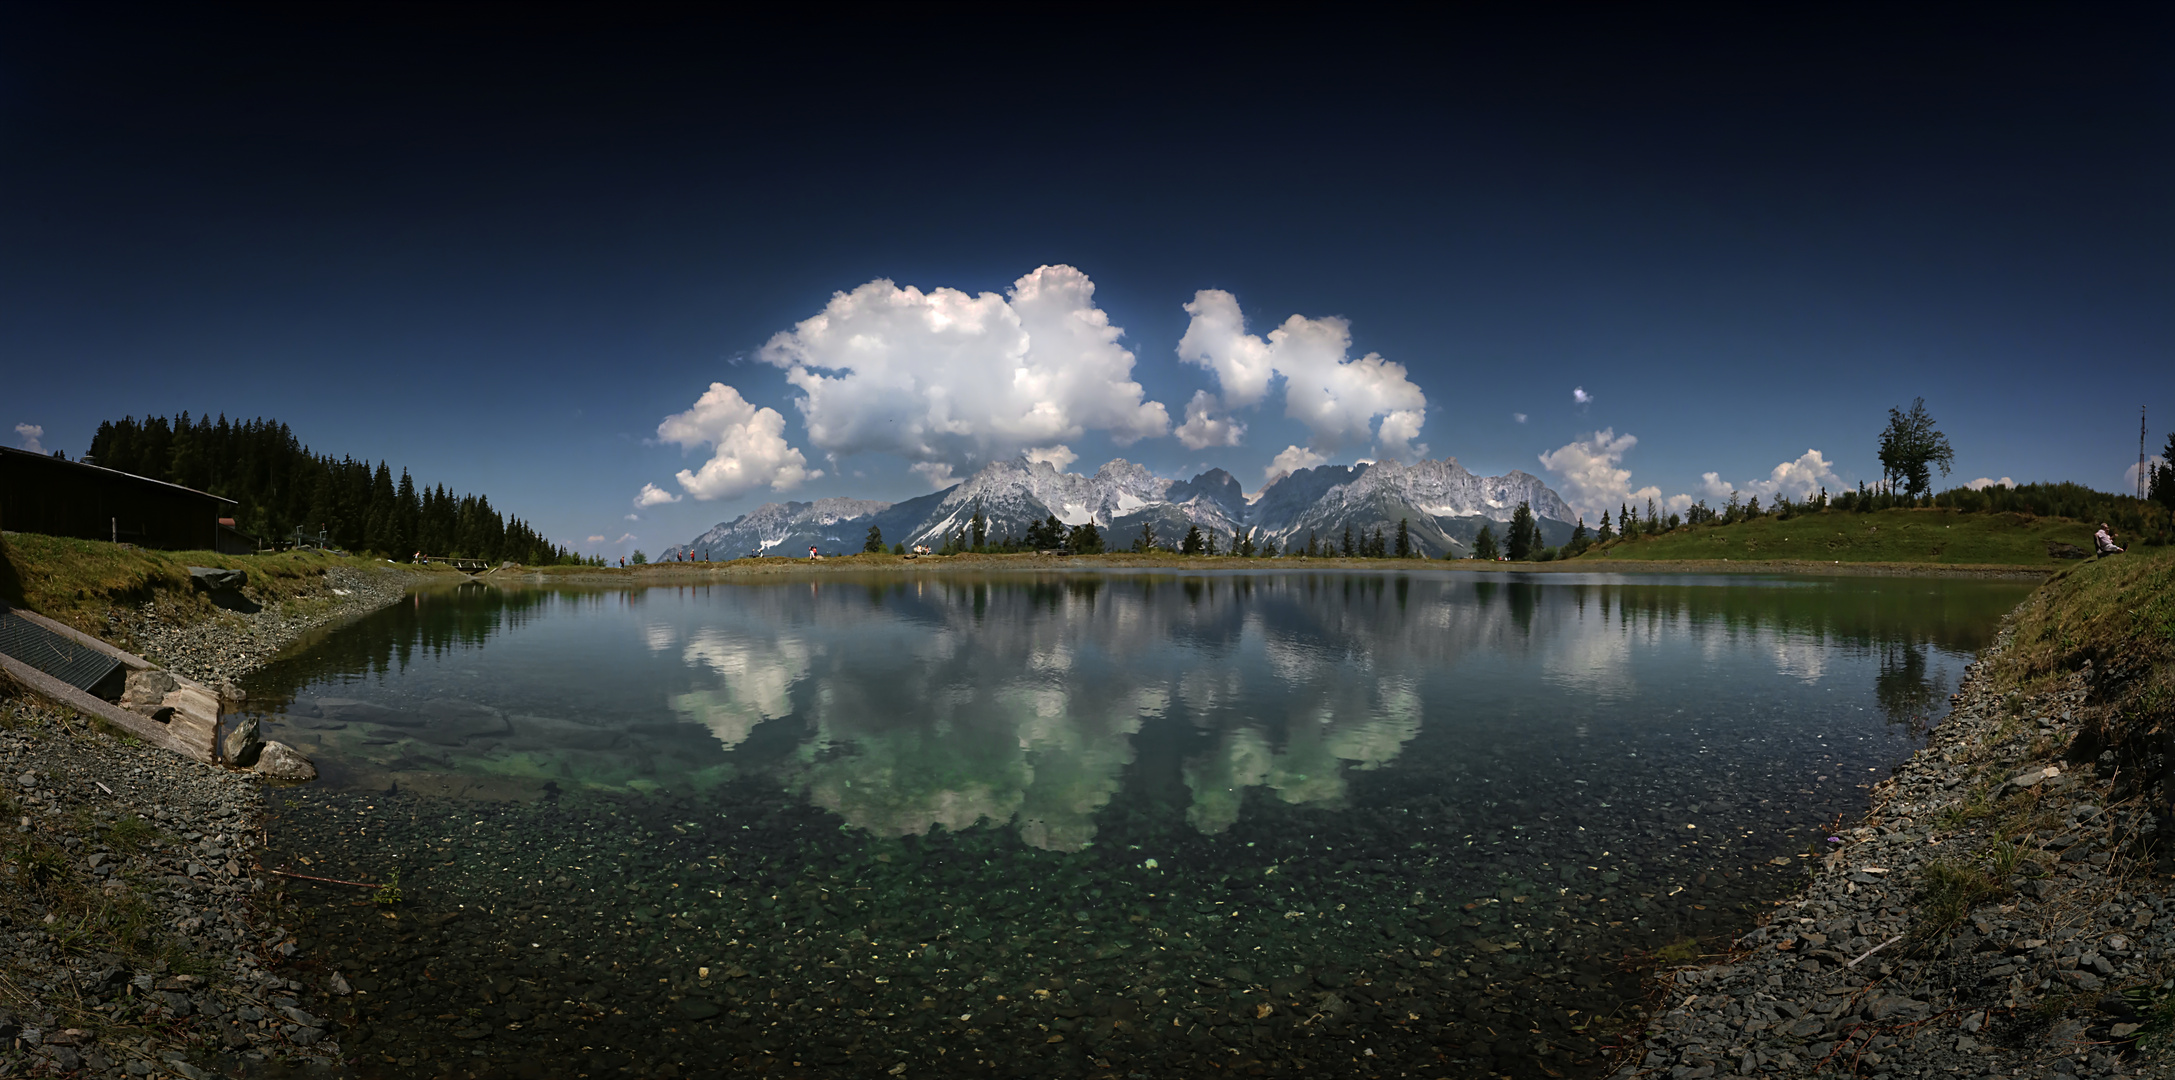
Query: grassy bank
x=1933, y=536
x=2118, y=615
x=96, y=586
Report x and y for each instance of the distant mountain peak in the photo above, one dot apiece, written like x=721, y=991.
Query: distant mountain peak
x=1442, y=503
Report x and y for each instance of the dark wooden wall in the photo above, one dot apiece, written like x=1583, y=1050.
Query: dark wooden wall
x=41, y=494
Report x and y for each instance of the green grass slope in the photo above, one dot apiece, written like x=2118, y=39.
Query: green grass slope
x=1939, y=536
x=92, y=585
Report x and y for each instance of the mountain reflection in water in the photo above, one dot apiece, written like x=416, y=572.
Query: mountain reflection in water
x=905, y=703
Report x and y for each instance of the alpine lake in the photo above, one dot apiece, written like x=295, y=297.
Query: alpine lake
x=1403, y=823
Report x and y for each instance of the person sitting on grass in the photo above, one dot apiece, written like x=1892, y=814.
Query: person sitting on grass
x=2104, y=539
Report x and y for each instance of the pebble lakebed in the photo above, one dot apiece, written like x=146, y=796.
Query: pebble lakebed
x=227, y=997
x=797, y=971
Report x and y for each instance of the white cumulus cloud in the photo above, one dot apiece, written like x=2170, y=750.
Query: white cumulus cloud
x=1798, y=479
x=1593, y=479
x=1204, y=427
x=652, y=495
x=937, y=473
x=2129, y=475
x=1058, y=456
x=1579, y=394
x=748, y=444
x=27, y=436
x=1293, y=459
x=1982, y=483
x=1340, y=399
x=1518, y=416
x=945, y=378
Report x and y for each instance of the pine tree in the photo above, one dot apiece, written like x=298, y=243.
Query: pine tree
x=1147, y=539
x=1313, y=549
x=875, y=542
x=1578, y=536
x=1347, y=550
x=1243, y=543
x=1085, y=540
x=1404, y=538
x=1523, y=533
x=1607, y=533
x=1190, y=544
x=1484, y=544
x=978, y=527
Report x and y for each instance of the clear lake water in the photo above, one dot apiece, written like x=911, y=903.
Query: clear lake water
x=1411, y=822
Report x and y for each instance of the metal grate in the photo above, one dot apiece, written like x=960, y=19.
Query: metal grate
x=69, y=661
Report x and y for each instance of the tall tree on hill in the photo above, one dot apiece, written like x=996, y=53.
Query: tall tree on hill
x=2163, y=476
x=1484, y=544
x=1523, y=533
x=1911, y=447
x=1404, y=538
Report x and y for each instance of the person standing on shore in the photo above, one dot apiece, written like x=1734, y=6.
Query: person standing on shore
x=2104, y=540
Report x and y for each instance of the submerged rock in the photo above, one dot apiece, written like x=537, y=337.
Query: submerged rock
x=282, y=762
x=242, y=743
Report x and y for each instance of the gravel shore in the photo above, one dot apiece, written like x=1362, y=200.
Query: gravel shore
x=1984, y=920
x=133, y=937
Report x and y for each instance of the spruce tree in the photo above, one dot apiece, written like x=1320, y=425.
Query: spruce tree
x=1484, y=544
x=1190, y=544
x=1404, y=538
x=1086, y=540
x=978, y=527
x=875, y=542
x=1347, y=550
x=1523, y=533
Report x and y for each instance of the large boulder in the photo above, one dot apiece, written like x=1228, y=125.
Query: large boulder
x=242, y=743
x=282, y=762
x=212, y=577
x=145, y=692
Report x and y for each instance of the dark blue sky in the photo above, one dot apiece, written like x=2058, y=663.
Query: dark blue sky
x=501, y=245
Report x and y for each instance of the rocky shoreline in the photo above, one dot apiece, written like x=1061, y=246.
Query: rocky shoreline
x=1984, y=919
x=133, y=933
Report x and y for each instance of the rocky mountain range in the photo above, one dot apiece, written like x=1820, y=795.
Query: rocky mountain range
x=1445, y=504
